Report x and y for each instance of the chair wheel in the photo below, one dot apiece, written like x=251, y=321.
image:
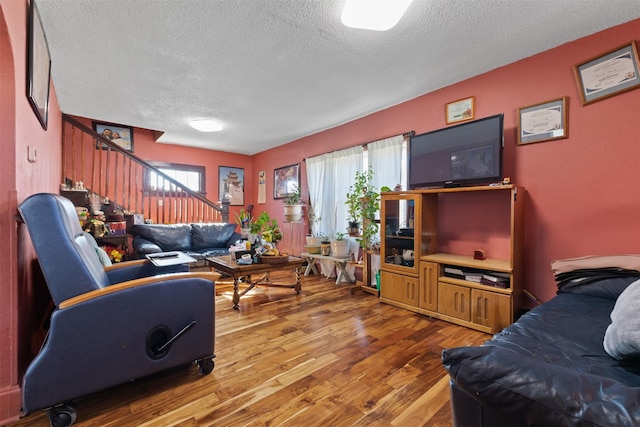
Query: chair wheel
x=63, y=415
x=205, y=366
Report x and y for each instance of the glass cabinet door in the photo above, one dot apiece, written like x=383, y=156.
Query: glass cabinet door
x=399, y=228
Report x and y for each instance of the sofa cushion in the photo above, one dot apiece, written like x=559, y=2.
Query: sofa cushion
x=205, y=236
x=622, y=338
x=170, y=237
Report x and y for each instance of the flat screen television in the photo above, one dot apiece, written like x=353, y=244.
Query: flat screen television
x=466, y=154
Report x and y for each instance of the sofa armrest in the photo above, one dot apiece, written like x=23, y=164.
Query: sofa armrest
x=602, y=283
x=533, y=392
x=233, y=239
x=143, y=246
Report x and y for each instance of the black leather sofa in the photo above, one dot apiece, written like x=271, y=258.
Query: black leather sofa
x=199, y=240
x=551, y=368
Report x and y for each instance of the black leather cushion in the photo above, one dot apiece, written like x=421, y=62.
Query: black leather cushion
x=550, y=368
x=205, y=236
x=170, y=237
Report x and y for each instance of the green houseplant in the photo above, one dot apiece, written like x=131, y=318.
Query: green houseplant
x=293, y=205
x=363, y=202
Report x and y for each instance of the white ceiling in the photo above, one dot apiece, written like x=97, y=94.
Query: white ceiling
x=273, y=71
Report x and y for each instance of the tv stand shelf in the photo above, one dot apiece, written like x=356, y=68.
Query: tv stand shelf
x=481, y=294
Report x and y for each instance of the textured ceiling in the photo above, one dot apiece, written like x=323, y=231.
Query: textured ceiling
x=273, y=71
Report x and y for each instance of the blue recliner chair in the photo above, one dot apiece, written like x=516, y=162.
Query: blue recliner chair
x=110, y=325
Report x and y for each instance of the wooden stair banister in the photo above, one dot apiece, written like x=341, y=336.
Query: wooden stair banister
x=119, y=176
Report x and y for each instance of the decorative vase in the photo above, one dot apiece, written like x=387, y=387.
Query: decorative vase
x=340, y=248
x=313, y=241
x=292, y=212
x=325, y=248
x=354, y=228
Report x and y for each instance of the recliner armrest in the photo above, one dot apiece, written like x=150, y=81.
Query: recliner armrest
x=131, y=270
x=207, y=275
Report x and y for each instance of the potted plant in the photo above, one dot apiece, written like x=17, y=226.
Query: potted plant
x=266, y=228
x=363, y=201
x=325, y=246
x=340, y=246
x=313, y=239
x=243, y=219
x=293, y=205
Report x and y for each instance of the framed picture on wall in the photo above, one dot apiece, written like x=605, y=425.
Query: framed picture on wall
x=608, y=74
x=543, y=122
x=118, y=134
x=286, y=180
x=461, y=110
x=231, y=184
x=39, y=73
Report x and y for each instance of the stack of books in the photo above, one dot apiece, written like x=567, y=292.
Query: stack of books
x=490, y=278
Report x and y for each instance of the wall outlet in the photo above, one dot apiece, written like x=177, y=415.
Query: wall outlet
x=32, y=154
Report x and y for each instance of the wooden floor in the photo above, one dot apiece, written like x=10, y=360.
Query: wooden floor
x=325, y=357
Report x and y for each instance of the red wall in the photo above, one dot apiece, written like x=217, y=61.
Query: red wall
x=583, y=192
x=22, y=294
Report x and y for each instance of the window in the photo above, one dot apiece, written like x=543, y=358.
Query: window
x=190, y=176
x=330, y=175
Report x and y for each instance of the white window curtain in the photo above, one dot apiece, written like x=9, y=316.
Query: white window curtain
x=386, y=159
x=328, y=178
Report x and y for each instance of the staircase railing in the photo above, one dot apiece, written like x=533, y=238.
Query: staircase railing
x=123, y=182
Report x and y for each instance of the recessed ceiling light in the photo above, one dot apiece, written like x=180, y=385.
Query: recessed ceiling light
x=378, y=15
x=205, y=125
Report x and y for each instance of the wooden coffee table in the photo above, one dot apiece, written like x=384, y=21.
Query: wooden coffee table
x=229, y=266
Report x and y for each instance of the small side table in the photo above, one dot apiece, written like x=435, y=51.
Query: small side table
x=121, y=240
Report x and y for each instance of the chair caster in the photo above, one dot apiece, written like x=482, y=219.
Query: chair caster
x=62, y=415
x=205, y=366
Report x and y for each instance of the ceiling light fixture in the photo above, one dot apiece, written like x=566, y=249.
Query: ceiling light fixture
x=378, y=15
x=205, y=125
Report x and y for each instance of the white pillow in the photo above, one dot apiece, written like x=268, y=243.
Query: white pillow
x=622, y=338
x=103, y=257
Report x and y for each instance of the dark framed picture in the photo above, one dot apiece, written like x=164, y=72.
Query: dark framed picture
x=231, y=184
x=543, y=122
x=608, y=74
x=286, y=180
x=39, y=74
x=118, y=134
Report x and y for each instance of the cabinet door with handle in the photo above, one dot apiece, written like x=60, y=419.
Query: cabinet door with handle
x=454, y=301
x=399, y=288
x=490, y=309
x=429, y=286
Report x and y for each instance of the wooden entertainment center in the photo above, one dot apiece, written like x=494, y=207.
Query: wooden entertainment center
x=447, y=279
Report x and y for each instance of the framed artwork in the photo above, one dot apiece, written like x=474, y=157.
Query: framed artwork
x=609, y=74
x=461, y=110
x=39, y=74
x=543, y=122
x=285, y=180
x=231, y=185
x=262, y=187
x=118, y=134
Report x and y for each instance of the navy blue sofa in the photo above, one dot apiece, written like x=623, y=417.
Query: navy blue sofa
x=550, y=367
x=198, y=240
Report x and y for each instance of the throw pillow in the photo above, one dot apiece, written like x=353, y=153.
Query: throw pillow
x=102, y=256
x=622, y=338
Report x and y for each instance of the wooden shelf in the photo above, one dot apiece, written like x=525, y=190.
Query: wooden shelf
x=424, y=287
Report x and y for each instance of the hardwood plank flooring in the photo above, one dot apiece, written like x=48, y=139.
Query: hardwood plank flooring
x=324, y=357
